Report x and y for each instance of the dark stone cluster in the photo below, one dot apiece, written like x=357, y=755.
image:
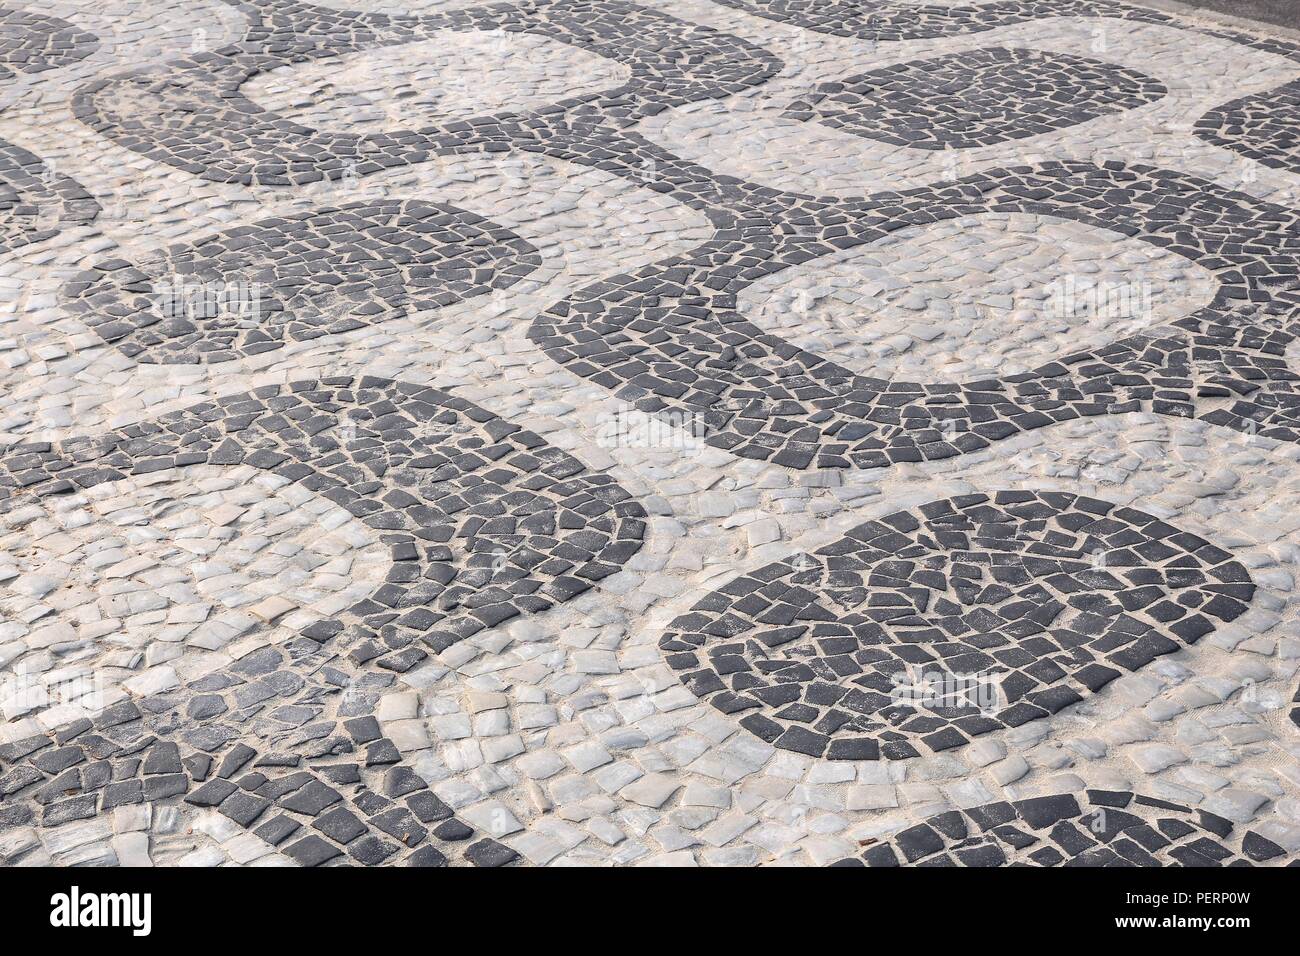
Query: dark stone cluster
x=253, y=288
x=1264, y=127
x=484, y=519
x=921, y=630
x=33, y=43
x=308, y=774
x=1099, y=828
x=975, y=98
x=484, y=522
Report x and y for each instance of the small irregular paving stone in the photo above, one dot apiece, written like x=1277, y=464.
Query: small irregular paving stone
x=312, y=851
x=32, y=43
x=667, y=339
x=257, y=288
x=975, y=98
x=36, y=201
x=1260, y=127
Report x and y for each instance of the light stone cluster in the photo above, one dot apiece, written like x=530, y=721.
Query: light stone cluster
x=428, y=82
x=976, y=297
x=110, y=591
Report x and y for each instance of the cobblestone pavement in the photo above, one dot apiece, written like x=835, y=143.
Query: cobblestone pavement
x=715, y=432
x=1282, y=12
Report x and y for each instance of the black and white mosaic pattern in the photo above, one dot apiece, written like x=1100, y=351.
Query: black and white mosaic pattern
x=484, y=522
x=402, y=466
x=1260, y=127
x=298, y=278
x=189, y=112
x=32, y=43
x=1039, y=600
x=1101, y=828
x=975, y=99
